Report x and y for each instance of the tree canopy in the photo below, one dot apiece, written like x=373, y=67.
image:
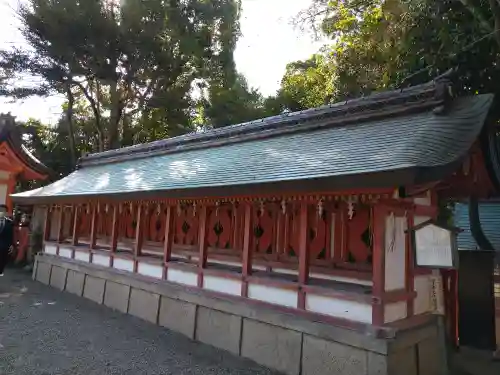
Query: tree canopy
x=140, y=70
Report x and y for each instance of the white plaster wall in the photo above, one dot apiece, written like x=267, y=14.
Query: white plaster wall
x=360, y=312
x=82, y=256
x=222, y=285
x=423, y=201
x=342, y=279
x=123, y=264
x=50, y=249
x=422, y=287
x=151, y=270
x=395, y=311
x=395, y=253
x=182, y=277
x=277, y=296
x=101, y=260
x=65, y=252
x=420, y=219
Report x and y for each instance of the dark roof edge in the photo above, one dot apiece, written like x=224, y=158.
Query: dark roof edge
x=476, y=228
x=10, y=134
x=27, y=157
x=373, y=180
x=417, y=98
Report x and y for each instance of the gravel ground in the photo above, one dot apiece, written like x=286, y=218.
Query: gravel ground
x=44, y=331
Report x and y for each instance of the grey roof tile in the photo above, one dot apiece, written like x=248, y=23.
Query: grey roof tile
x=422, y=140
x=489, y=214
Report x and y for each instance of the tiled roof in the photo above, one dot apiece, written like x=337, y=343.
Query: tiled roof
x=489, y=214
x=10, y=134
x=401, y=136
x=376, y=106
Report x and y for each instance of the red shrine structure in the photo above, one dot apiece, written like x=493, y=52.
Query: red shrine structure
x=287, y=240
x=16, y=162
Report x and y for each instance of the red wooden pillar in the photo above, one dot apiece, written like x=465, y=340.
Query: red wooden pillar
x=75, y=231
x=247, y=249
x=60, y=228
x=93, y=227
x=139, y=235
x=379, y=217
x=303, y=254
x=115, y=229
x=169, y=239
x=202, y=257
x=409, y=266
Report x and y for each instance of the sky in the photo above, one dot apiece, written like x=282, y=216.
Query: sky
x=268, y=43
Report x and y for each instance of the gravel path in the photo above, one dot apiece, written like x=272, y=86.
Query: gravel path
x=44, y=331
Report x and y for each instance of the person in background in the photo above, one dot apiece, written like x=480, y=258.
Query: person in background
x=6, y=237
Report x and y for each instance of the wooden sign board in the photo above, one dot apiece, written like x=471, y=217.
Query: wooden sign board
x=436, y=294
x=435, y=246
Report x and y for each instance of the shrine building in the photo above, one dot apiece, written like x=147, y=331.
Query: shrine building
x=289, y=240
x=16, y=161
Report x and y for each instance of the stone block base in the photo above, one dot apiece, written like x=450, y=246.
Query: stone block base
x=282, y=341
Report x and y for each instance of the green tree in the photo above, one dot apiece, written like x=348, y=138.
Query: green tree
x=134, y=61
x=383, y=44
x=232, y=103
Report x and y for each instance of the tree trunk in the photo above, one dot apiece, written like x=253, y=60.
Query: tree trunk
x=495, y=9
x=94, y=104
x=115, y=116
x=69, y=123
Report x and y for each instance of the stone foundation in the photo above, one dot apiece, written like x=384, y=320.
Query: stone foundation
x=280, y=340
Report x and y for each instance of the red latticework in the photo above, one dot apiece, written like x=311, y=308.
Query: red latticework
x=154, y=225
x=359, y=236
x=319, y=228
x=293, y=231
x=104, y=223
x=127, y=222
x=186, y=227
x=84, y=222
x=220, y=227
x=264, y=225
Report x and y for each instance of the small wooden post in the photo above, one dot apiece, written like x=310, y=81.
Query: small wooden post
x=303, y=254
x=247, y=249
x=379, y=219
x=202, y=260
x=139, y=235
x=409, y=263
x=60, y=228
x=169, y=239
x=75, y=234
x=93, y=227
x=114, y=233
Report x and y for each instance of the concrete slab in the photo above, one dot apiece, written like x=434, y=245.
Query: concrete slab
x=43, y=273
x=144, y=305
x=116, y=296
x=74, y=282
x=272, y=346
x=94, y=289
x=58, y=277
x=326, y=357
x=218, y=329
x=177, y=316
